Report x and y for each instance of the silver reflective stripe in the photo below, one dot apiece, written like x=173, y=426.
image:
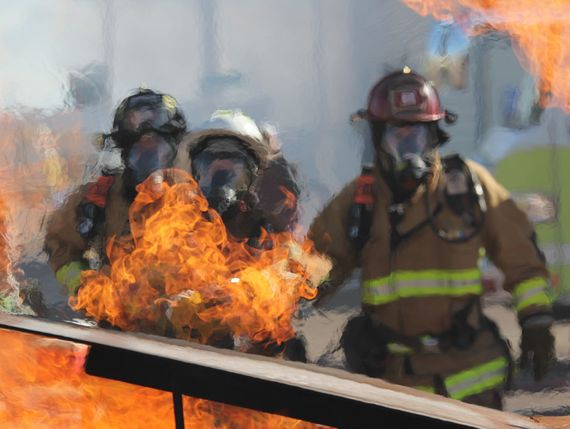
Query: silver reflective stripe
x=531, y=292
x=405, y=284
x=401, y=284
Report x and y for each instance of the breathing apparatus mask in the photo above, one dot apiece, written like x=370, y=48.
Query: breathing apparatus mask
x=225, y=171
x=149, y=153
x=406, y=153
x=147, y=129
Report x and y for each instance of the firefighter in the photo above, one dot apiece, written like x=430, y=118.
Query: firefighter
x=147, y=129
x=416, y=223
x=243, y=174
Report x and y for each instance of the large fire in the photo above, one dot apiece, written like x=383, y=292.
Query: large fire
x=539, y=30
x=32, y=172
x=43, y=384
x=11, y=297
x=5, y=259
x=180, y=271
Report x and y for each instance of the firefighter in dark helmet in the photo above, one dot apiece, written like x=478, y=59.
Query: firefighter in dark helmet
x=147, y=129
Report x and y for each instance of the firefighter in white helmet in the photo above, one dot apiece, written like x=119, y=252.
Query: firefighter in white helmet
x=243, y=174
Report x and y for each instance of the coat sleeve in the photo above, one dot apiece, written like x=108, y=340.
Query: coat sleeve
x=510, y=242
x=63, y=243
x=329, y=233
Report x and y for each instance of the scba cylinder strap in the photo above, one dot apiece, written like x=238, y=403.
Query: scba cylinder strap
x=465, y=197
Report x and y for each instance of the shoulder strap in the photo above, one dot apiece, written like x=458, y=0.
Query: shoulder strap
x=91, y=208
x=464, y=196
x=361, y=210
x=462, y=186
x=98, y=191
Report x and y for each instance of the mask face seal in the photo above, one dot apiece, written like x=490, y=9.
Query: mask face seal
x=224, y=173
x=403, y=142
x=221, y=180
x=407, y=148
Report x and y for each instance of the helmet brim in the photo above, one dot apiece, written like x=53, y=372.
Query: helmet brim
x=196, y=139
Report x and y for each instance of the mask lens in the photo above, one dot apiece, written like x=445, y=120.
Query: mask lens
x=149, y=154
x=216, y=173
x=402, y=141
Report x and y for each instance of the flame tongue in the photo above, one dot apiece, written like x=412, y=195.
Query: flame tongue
x=539, y=30
x=182, y=272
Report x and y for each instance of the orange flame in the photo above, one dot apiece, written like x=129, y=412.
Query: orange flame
x=539, y=31
x=43, y=385
x=5, y=259
x=32, y=172
x=181, y=271
x=11, y=298
x=290, y=198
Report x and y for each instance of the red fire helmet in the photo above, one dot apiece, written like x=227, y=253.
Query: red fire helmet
x=404, y=96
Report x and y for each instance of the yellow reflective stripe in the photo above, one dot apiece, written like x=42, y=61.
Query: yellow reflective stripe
x=477, y=379
x=407, y=284
x=378, y=294
x=531, y=292
x=70, y=276
x=468, y=274
x=169, y=102
x=402, y=349
x=399, y=349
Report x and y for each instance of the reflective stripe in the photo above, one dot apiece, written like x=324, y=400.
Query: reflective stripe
x=430, y=344
x=408, y=284
x=477, y=379
x=399, y=349
x=70, y=276
x=531, y=292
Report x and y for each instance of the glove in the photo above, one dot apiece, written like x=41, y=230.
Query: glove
x=537, y=345
x=365, y=350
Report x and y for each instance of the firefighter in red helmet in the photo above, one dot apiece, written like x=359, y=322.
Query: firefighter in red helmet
x=416, y=225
